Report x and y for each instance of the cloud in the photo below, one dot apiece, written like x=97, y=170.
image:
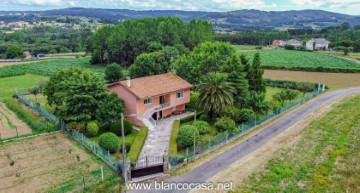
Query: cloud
x=327, y=3
x=205, y=5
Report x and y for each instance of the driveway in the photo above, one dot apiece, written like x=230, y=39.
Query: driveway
x=157, y=142
x=225, y=159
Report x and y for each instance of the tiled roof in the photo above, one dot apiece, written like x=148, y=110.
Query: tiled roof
x=156, y=85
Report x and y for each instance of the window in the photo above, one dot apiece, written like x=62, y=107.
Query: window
x=147, y=101
x=180, y=94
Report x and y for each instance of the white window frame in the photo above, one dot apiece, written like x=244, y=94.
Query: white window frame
x=182, y=94
x=148, y=101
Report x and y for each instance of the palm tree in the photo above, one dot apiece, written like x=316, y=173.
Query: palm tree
x=215, y=93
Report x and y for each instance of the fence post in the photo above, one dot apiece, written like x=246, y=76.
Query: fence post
x=209, y=144
x=102, y=174
x=255, y=121
x=187, y=154
x=242, y=127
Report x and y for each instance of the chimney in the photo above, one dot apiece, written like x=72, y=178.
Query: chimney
x=128, y=82
x=173, y=71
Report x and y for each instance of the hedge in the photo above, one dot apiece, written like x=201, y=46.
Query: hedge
x=138, y=144
x=37, y=124
x=173, y=138
x=313, y=69
x=191, y=117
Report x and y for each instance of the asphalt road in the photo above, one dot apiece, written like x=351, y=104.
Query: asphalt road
x=225, y=159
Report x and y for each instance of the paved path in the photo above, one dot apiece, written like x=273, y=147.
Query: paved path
x=158, y=138
x=225, y=159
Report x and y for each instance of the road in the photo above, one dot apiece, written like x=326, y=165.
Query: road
x=225, y=159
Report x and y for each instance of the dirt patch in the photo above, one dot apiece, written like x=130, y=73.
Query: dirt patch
x=256, y=161
x=45, y=163
x=10, y=125
x=333, y=80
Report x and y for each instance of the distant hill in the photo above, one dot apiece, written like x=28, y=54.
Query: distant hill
x=230, y=21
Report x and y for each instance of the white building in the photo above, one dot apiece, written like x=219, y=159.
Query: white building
x=317, y=44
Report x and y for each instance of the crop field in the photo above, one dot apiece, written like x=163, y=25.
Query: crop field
x=308, y=61
x=324, y=159
x=51, y=163
x=10, y=125
x=22, y=83
x=49, y=67
x=333, y=80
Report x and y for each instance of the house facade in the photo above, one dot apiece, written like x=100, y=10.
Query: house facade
x=293, y=42
x=278, y=43
x=152, y=98
x=317, y=44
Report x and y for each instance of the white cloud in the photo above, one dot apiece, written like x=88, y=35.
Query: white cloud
x=327, y=3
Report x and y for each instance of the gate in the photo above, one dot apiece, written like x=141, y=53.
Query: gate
x=147, y=166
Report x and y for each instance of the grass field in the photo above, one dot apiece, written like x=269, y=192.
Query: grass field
x=278, y=58
x=351, y=55
x=333, y=80
x=51, y=163
x=11, y=125
x=22, y=83
x=325, y=159
x=49, y=67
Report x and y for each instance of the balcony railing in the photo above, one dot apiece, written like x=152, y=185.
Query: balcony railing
x=161, y=106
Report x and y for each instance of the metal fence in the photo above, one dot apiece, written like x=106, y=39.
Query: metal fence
x=220, y=139
x=104, y=155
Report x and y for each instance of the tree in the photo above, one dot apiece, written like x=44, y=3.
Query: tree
x=100, y=46
x=110, y=108
x=257, y=102
x=215, y=93
x=150, y=64
x=34, y=91
x=113, y=73
x=76, y=94
x=345, y=26
x=13, y=51
x=357, y=27
x=255, y=76
x=236, y=75
x=285, y=95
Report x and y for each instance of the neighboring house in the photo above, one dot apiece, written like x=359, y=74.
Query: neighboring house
x=293, y=42
x=317, y=44
x=27, y=54
x=153, y=97
x=278, y=43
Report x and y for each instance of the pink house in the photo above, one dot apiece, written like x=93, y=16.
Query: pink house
x=153, y=97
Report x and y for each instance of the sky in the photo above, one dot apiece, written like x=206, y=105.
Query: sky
x=351, y=7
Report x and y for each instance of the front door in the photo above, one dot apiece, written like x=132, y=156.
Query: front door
x=160, y=115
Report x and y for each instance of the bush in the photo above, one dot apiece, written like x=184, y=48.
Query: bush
x=290, y=47
x=186, y=135
x=231, y=112
x=173, y=138
x=138, y=144
x=246, y=115
x=225, y=124
x=127, y=147
x=116, y=127
x=113, y=73
x=109, y=141
x=92, y=129
x=191, y=117
x=205, y=117
x=105, y=127
x=71, y=126
x=202, y=126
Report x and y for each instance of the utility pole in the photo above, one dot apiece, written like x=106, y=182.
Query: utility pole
x=123, y=146
x=194, y=134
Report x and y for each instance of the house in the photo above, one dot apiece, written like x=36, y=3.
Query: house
x=27, y=54
x=317, y=44
x=151, y=98
x=278, y=43
x=293, y=42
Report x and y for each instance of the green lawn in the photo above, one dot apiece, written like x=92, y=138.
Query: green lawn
x=278, y=58
x=22, y=83
x=246, y=47
x=324, y=159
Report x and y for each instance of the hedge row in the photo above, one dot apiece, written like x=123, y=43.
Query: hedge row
x=173, y=138
x=37, y=124
x=191, y=117
x=301, y=86
x=313, y=69
x=138, y=144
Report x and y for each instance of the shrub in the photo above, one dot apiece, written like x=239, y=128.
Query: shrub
x=191, y=117
x=127, y=147
x=92, y=129
x=202, y=126
x=173, y=138
x=71, y=126
x=138, y=144
x=105, y=127
x=186, y=135
x=116, y=127
x=246, y=115
x=205, y=117
x=113, y=73
x=225, y=124
x=109, y=141
x=231, y=112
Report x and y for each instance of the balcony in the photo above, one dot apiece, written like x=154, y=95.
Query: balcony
x=161, y=106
